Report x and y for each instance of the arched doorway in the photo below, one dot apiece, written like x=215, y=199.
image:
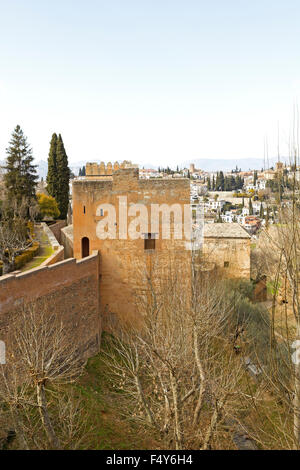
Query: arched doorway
x=85, y=247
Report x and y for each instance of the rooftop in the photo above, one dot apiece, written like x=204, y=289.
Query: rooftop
x=225, y=231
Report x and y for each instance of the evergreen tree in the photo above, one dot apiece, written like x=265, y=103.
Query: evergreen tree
x=255, y=178
x=20, y=175
x=63, y=178
x=261, y=211
x=250, y=207
x=52, y=182
x=267, y=217
x=83, y=171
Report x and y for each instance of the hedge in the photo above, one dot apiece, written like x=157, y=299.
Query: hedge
x=24, y=257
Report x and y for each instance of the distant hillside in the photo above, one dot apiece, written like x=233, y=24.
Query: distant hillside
x=205, y=164
x=227, y=165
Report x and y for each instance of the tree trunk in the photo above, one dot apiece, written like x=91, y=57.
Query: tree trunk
x=177, y=413
x=143, y=401
x=216, y=417
x=202, y=379
x=41, y=398
x=296, y=403
x=7, y=266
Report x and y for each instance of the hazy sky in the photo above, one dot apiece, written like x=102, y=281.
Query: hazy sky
x=158, y=81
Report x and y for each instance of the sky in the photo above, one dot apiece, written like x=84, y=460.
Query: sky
x=151, y=81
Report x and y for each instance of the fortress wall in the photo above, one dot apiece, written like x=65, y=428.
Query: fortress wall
x=125, y=263
x=51, y=237
x=231, y=256
x=70, y=288
x=67, y=241
x=57, y=256
x=56, y=229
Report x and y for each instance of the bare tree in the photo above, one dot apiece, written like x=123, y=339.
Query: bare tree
x=278, y=258
x=175, y=368
x=42, y=358
x=14, y=233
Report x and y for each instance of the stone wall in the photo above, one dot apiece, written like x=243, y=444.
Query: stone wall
x=70, y=288
x=67, y=241
x=56, y=229
x=124, y=262
x=231, y=256
x=58, y=249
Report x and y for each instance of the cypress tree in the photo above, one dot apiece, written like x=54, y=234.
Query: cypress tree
x=63, y=178
x=250, y=207
x=255, y=178
x=267, y=217
x=20, y=176
x=261, y=211
x=52, y=182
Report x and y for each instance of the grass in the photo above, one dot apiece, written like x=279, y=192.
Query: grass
x=44, y=253
x=110, y=430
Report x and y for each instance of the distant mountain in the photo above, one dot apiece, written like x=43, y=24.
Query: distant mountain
x=245, y=164
x=42, y=168
x=206, y=164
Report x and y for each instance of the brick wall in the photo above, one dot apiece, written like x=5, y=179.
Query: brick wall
x=231, y=255
x=125, y=263
x=56, y=229
x=67, y=241
x=69, y=287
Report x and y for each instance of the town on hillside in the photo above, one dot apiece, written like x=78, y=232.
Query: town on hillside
x=121, y=275
x=149, y=231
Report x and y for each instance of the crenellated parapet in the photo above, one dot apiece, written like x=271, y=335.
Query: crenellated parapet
x=102, y=169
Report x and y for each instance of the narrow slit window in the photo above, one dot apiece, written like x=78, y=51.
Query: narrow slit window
x=149, y=241
x=84, y=209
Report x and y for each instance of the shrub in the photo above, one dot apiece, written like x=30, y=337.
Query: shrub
x=48, y=206
x=24, y=257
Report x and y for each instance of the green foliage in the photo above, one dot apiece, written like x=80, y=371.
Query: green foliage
x=58, y=177
x=63, y=178
x=261, y=211
x=48, y=206
x=242, y=287
x=52, y=168
x=20, y=173
x=250, y=207
x=227, y=183
x=252, y=317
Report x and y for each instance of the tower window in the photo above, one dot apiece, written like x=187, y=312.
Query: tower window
x=84, y=209
x=149, y=241
x=226, y=264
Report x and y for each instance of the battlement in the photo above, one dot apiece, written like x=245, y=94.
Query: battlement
x=102, y=170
